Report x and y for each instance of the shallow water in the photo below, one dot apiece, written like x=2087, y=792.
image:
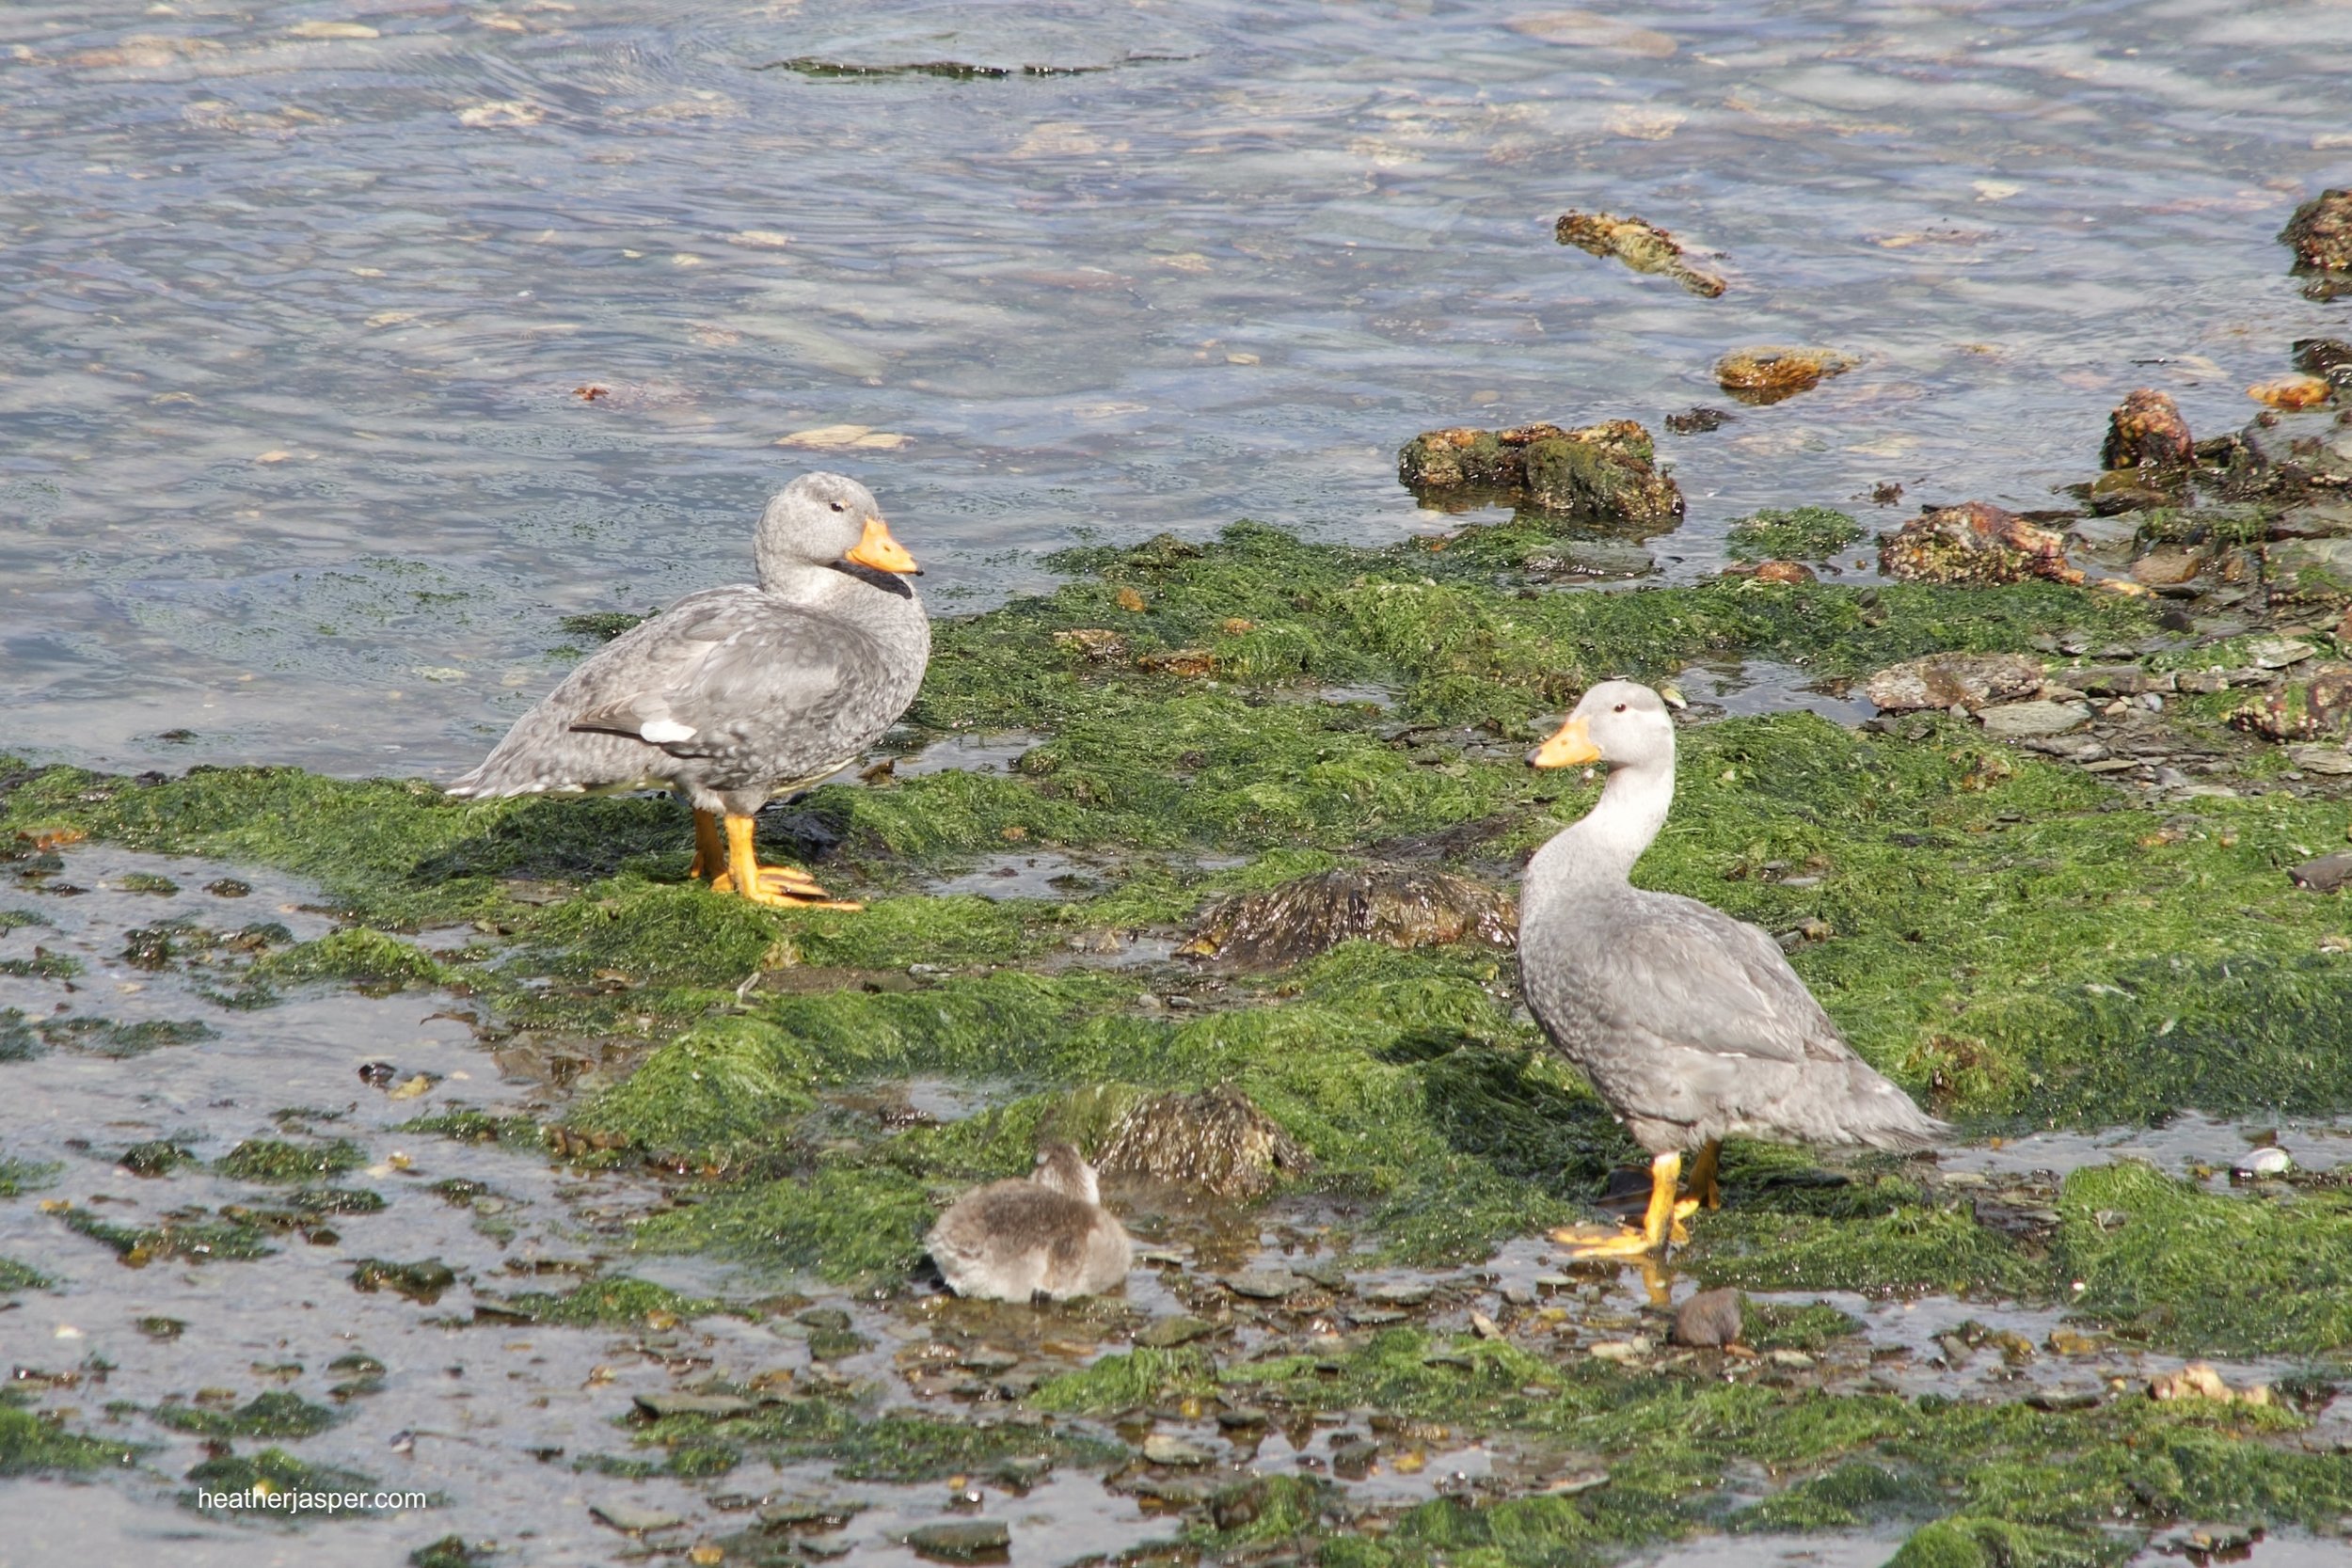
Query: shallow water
x=304, y=302
x=493, y=1415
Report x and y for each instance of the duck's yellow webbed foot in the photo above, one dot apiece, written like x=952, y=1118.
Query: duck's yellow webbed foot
x=776, y=886
x=1660, y=1222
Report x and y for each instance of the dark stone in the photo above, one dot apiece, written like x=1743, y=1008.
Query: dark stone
x=2324, y=875
x=1697, y=420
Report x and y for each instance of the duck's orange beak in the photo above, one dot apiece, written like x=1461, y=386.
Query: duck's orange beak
x=876, y=548
x=1571, y=744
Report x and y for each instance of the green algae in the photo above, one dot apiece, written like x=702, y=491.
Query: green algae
x=423, y=1281
x=1979, y=1543
x=189, y=1234
x=371, y=961
x=15, y=1277
x=897, y=1447
x=18, y=1177
x=2208, y=1272
x=1667, y=1439
x=43, y=966
x=1803, y=533
x=32, y=1445
x=716, y=1092
x=271, y=1469
x=2015, y=942
x=453, y=1551
x=844, y=1224
x=465, y=1124
x=275, y=1414
x=1131, y=1379
x=618, y=1301
x=100, y=1036
x=276, y=1161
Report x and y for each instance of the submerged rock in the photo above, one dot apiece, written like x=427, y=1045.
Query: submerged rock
x=2146, y=431
x=1404, y=907
x=2320, y=234
x=1975, y=544
x=1604, y=473
x=1217, y=1140
x=1643, y=247
x=1768, y=373
x=960, y=1540
x=1710, y=1318
x=1942, y=680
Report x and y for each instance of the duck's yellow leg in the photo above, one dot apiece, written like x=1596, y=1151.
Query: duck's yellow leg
x=1657, y=1221
x=710, y=853
x=1707, y=1190
x=778, y=886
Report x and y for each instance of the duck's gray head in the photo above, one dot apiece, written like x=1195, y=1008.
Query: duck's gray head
x=1061, y=1167
x=823, y=520
x=1621, y=722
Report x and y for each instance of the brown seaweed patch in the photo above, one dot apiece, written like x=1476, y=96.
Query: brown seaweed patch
x=1217, y=1140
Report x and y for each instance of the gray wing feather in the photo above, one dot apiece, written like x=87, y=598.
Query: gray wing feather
x=733, y=679
x=1692, y=974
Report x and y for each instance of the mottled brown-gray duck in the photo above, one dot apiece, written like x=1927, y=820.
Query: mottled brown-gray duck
x=736, y=695
x=1048, y=1236
x=1690, y=1024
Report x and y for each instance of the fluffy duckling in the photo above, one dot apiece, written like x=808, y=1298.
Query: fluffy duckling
x=1048, y=1236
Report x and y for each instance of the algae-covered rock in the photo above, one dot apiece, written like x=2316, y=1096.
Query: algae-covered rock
x=422, y=1282
x=962, y=1541
x=1977, y=545
x=2287, y=456
x=1768, y=373
x=1642, y=246
x=2146, y=431
x=1602, y=473
x=1404, y=907
x=2308, y=574
x=1799, y=533
x=2318, y=704
x=1216, y=1140
x=1942, y=680
x=2320, y=234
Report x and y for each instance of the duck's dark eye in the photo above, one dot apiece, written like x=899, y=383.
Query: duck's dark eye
x=838, y=507
x=1619, y=708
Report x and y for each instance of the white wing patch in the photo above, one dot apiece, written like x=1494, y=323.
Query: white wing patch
x=663, y=731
